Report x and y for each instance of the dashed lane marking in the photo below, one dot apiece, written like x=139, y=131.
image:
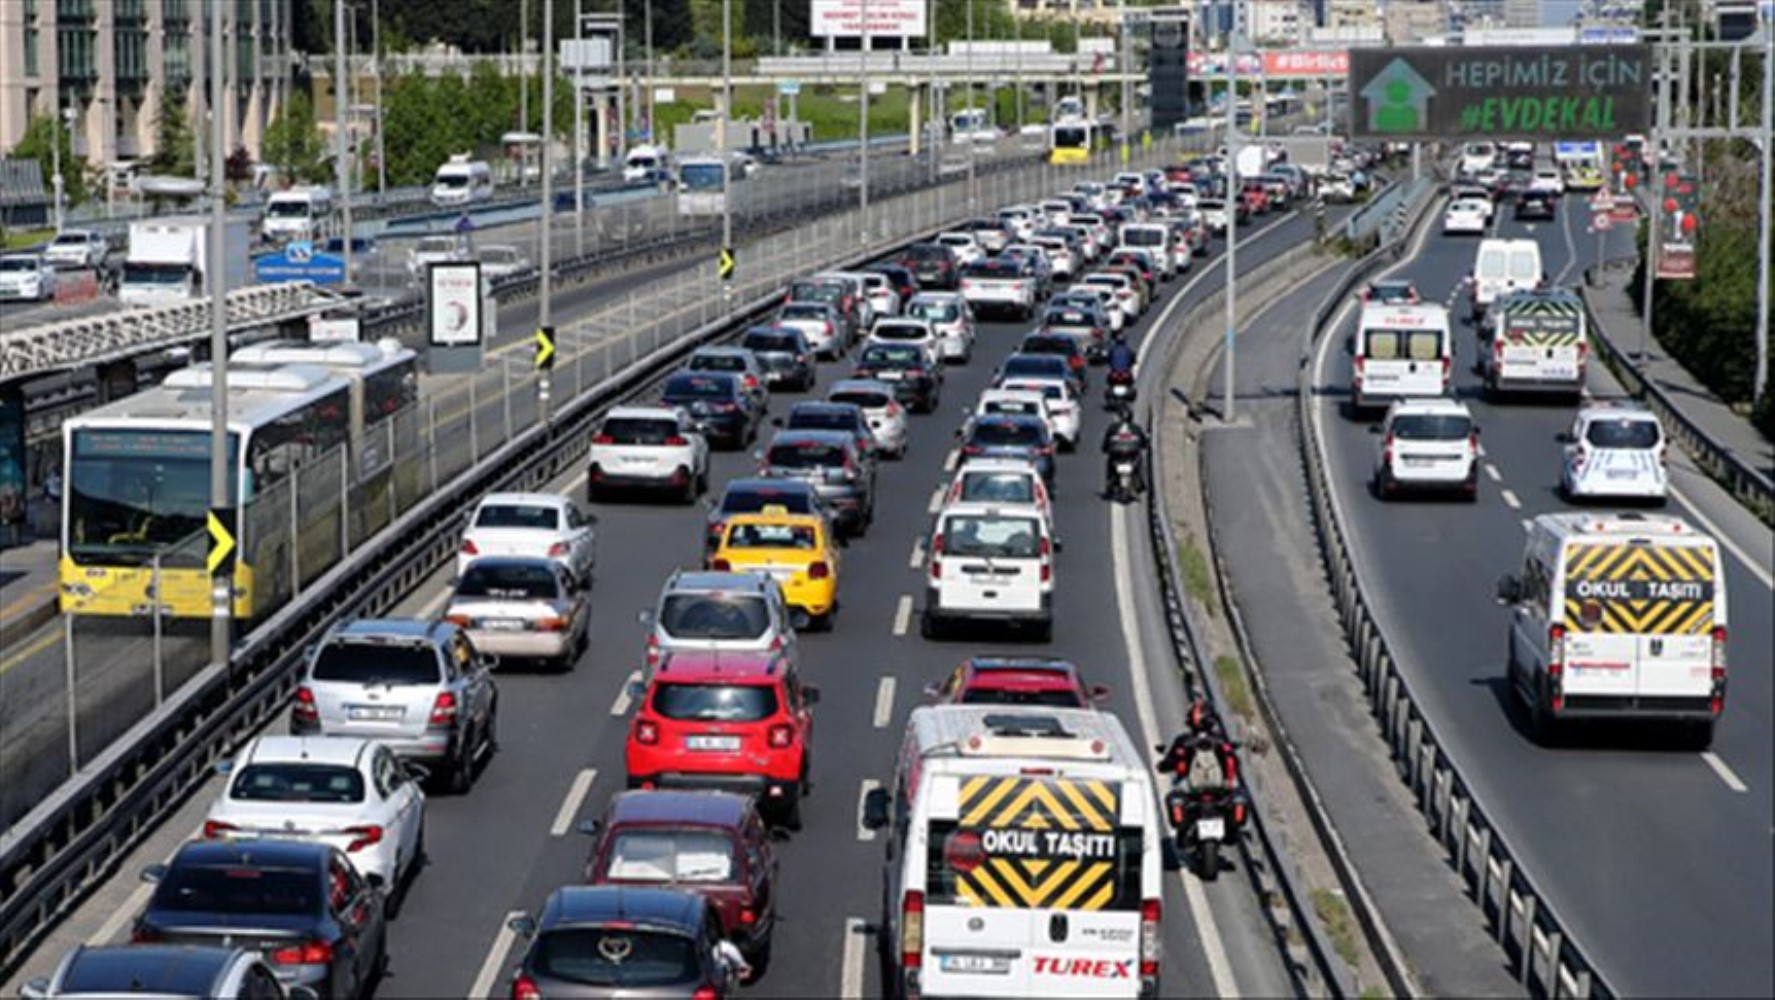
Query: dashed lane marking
x=576, y=796
x=490, y=966
x=1491, y=472
x=1510, y=500
x=884, y=702
x=903, y=615
x=623, y=698
x=917, y=558
x=851, y=972
x=936, y=503
x=1725, y=772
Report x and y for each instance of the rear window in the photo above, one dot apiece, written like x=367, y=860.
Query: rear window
x=632, y=430
x=1049, y=345
x=822, y=420
x=1034, y=365
x=1055, y=698
x=1000, y=269
x=815, y=291
x=803, y=310
x=771, y=342
x=1622, y=434
x=804, y=455
x=1144, y=237
x=866, y=400
x=1007, y=433
x=710, y=616
x=376, y=663
x=297, y=783
x=900, y=331
x=798, y=537
x=1523, y=267
x=998, y=487
x=927, y=252
x=238, y=891
x=698, y=387
x=991, y=536
x=618, y=957
x=502, y=515
x=1432, y=427
x=751, y=501
x=509, y=582
x=671, y=856
x=715, y=702
x=717, y=363
x=1403, y=345
x=892, y=355
x=936, y=312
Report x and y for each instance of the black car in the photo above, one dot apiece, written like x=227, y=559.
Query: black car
x=829, y=416
x=1537, y=205
x=783, y=352
x=301, y=904
x=749, y=496
x=841, y=474
x=719, y=404
x=1011, y=435
x=1062, y=345
x=933, y=265
x=917, y=379
x=1082, y=319
x=1040, y=366
x=170, y=970
x=609, y=940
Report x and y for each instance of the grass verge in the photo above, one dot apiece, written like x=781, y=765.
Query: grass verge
x=25, y=238
x=1198, y=579
x=1233, y=686
x=1334, y=916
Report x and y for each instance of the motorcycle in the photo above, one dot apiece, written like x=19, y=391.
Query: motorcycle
x=1124, y=482
x=1204, y=820
x=1119, y=390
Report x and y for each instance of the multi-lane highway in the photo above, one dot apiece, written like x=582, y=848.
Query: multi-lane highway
x=1658, y=860
x=505, y=845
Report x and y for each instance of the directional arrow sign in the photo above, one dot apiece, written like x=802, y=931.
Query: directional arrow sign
x=221, y=557
x=724, y=264
x=545, y=348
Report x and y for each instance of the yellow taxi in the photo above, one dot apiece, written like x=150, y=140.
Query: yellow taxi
x=795, y=549
x=1583, y=177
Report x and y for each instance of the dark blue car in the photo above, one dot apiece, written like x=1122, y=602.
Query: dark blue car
x=719, y=404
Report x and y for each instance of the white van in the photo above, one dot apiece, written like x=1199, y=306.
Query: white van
x=990, y=562
x=1501, y=267
x=461, y=181
x=1477, y=156
x=1400, y=352
x=297, y=214
x=1535, y=341
x=1156, y=239
x=1025, y=856
x=1618, y=616
x=642, y=164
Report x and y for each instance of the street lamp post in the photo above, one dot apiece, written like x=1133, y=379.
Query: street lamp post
x=1232, y=219
x=863, y=125
x=341, y=138
x=55, y=152
x=376, y=64
x=215, y=283
x=722, y=122
x=544, y=315
x=972, y=193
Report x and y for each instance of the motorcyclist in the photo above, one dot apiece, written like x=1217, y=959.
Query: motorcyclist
x=1125, y=440
x=1202, y=757
x=1121, y=356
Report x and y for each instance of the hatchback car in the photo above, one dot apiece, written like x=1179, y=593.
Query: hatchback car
x=198, y=972
x=1081, y=319
x=1537, y=205
x=1058, y=345
x=1614, y=450
x=1428, y=444
x=418, y=687
x=826, y=332
x=718, y=403
x=824, y=416
x=933, y=265
x=712, y=843
x=749, y=496
x=544, y=525
x=522, y=608
x=784, y=354
x=1021, y=366
x=841, y=474
x=1004, y=435
x=1001, y=481
x=836, y=293
x=901, y=330
x=624, y=941
x=720, y=612
x=302, y=905
x=917, y=378
x=737, y=722
x=1017, y=680
x=734, y=361
x=887, y=419
x=648, y=447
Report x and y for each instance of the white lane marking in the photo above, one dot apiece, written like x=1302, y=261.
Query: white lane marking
x=917, y=559
x=1481, y=451
x=936, y=503
x=436, y=604
x=576, y=796
x=1571, y=247
x=950, y=459
x=850, y=985
x=576, y=482
x=903, y=614
x=1724, y=770
x=1527, y=523
x=1756, y=568
x=112, y=930
x=1204, y=274
x=1491, y=472
x=490, y=967
x=1510, y=499
x=623, y=699
x=884, y=701
x=863, y=790
x=1219, y=965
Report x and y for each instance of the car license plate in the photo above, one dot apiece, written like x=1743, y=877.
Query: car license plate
x=1412, y=462
x=374, y=713
x=504, y=624
x=718, y=743
x=1621, y=473
x=636, y=460
x=890, y=376
x=976, y=965
x=1211, y=829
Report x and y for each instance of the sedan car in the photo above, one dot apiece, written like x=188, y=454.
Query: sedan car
x=720, y=612
x=1004, y=435
x=301, y=904
x=840, y=472
x=824, y=329
x=1537, y=205
x=950, y=319
x=917, y=379
x=796, y=550
x=621, y=941
x=26, y=276
x=1466, y=215
x=516, y=607
x=888, y=421
x=933, y=265
x=1084, y=320
x=826, y=416
x=718, y=404
x=432, y=250
x=1017, y=680
x=163, y=970
x=735, y=361
x=499, y=260
x=784, y=354
x=543, y=525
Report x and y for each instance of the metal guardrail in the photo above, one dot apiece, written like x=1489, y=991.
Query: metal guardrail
x=1749, y=486
x=1520, y=919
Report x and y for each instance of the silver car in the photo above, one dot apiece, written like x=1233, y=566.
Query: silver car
x=522, y=608
x=887, y=418
x=951, y=319
x=418, y=687
x=704, y=609
x=163, y=970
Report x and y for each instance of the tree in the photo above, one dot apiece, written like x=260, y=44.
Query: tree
x=294, y=144
x=173, y=152
x=39, y=143
x=238, y=168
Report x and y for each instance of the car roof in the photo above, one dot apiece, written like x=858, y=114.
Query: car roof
x=984, y=419
x=166, y=969
x=814, y=436
x=859, y=385
x=1429, y=405
x=732, y=378
x=1616, y=409
x=585, y=904
x=642, y=413
x=344, y=751
x=977, y=508
x=786, y=517
x=391, y=628
x=704, y=580
x=253, y=853
x=697, y=665
x=710, y=808
x=770, y=484
x=554, y=500
x=721, y=350
x=1046, y=664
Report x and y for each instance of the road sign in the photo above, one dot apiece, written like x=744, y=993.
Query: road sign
x=788, y=88
x=724, y=264
x=1601, y=222
x=220, y=561
x=299, y=262
x=545, y=348
x=1500, y=92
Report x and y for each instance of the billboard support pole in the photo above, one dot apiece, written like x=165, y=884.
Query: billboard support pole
x=1760, y=385
x=1660, y=125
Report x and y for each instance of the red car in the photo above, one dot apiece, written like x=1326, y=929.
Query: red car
x=1256, y=197
x=1017, y=680
x=732, y=721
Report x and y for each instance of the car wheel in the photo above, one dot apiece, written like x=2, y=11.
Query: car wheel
x=461, y=775
x=759, y=957
x=791, y=815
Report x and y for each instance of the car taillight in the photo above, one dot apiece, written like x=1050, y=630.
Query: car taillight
x=460, y=621
x=781, y=735
x=603, y=439
x=1359, y=365
x=1075, y=362
x=524, y=988
x=936, y=551
x=652, y=654
x=1473, y=442
x=362, y=837
x=469, y=548
x=973, y=449
x=646, y=732
x=143, y=935
x=748, y=915
x=912, y=930
x=304, y=709
x=720, y=565
x=819, y=571
x=1387, y=449
x=1556, y=665
x=705, y=993
x=216, y=829
x=1717, y=661
x=553, y=623
x=751, y=381
x=306, y=953
x=830, y=332
x=443, y=709
x=558, y=550
x=1151, y=910
x=1447, y=366
x=1047, y=551
x=676, y=441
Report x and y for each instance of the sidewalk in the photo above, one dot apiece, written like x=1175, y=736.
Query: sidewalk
x=28, y=578
x=1619, y=325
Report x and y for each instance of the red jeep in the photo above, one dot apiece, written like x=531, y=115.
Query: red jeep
x=1017, y=680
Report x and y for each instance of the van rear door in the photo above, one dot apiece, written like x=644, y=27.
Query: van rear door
x=991, y=562
x=1639, y=620
x=1399, y=362
x=1677, y=618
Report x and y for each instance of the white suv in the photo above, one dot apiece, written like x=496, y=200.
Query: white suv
x=1614, y=450
x=990, y=562
x=648, y=447
x=1428, y=444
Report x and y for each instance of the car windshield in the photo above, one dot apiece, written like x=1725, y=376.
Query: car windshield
x=892, y=355
x=511, y=515
x=509, y=581
x=238, y=892
x=751, y=500
x=795, y=537
x=698, y=387
x=671, y=856
x=714, y=616
x=19, y=264
x=804, y=455
x=998, y=487
x=441, y=244
x=1007, y=434
x=297, y=782
x=1623, y=433
x=619, y=956
x=376, y=663
x=1432, y=427
x=715, y=702
x=637, y=430
x=991, y=536
x=71, y=240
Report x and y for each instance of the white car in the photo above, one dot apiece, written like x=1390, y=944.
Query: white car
x=1428, y=444
x=1474, y=192
x=26, y=276
x=880, y=293
x=1467, y=215
x=951, y=319
x=1018, y=220
x=1060, y=256
x=432, y=250
x=77, y=248
x=967, y=249
x=522, y=608
x=819, y=323
x=999, y=285
x=1551, y=181
x=990, y=563
x=1106, y=298
x=1063, y=405
x=887, y=419
x=346, y=791
x=499, y=260
x=1214, y=214
x=906, y=330
x=1124, y=294
x=544, y=525
x=1614, y=451
x=648, y=447
x=1030, y=402
x=1000, y=480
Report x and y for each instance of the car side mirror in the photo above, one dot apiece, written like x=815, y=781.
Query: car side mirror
x=590, y=827
x=644, y=616
x=875, y=809
x=810, y=694
x=1099, y=694
x=523, y=924
x=377, y=882
x=1564, y=437
x=1509, y=590
x=153, y=874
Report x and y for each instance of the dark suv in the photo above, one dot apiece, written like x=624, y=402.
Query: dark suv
x=916, y=377
x=841, y=473
x=617, y=941
x=933, y=265
x=718, y=403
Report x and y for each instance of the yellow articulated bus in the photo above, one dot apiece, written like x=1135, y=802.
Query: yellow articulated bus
x=307, y=425
x=1073, y=142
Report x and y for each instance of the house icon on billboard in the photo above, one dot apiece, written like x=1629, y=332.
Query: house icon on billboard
x=1398, y=99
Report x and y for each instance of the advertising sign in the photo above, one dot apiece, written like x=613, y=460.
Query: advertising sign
x=454, y=304
x=1500, y=92
x=887, y=18
x=12, y=456
x=334, y=330
x=1679, y=201
x=299, y=262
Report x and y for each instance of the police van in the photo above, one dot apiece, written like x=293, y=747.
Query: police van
x=1025, y=856
x=1399, y=352
x=1618, y=616
x=1535, y=341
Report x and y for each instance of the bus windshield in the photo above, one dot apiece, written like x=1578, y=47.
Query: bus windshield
x=1072, y=136
x=133, y=493
x=700, y=176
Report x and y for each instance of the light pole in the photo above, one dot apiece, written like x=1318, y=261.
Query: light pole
x=647, y=30
x=721, y=124
x=863, y=125
x=972, y=193
x=376, y=64
x=215, y=283
x=543, y=312
x=1232, y=218
x=524, y=88
x=57, y=184
x=341, y=141
x=1760, y=383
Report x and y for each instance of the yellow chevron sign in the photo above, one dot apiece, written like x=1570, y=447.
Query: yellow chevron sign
x=1639, y=589
x=221, y=555
x=1035, y=843
x=724, y=264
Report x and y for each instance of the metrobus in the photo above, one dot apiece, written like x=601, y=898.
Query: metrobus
x=972, y=125
x=137, y=499
x=1073, y=142
x=701, y=185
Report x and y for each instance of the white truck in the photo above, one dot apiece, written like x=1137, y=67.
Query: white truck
x=297, y=214
x=168, y=260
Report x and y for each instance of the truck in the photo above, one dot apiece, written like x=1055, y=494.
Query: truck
x=168, y=260
x=297, y=214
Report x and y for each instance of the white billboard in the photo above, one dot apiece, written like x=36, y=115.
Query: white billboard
x=887, y=18
x=455, y=304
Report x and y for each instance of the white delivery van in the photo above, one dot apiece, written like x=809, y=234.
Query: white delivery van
x=461, y=181
x=990, y=562
x=1400, y=352
x=1618, y=616
x=1501, y=267
x=1535, y=341
x=297, y=214
x=1025, y=856
x=642, y=164
x=1155, y=238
